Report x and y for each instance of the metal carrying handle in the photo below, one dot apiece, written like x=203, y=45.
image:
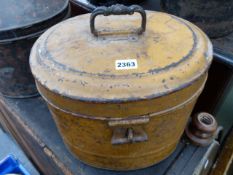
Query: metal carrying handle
x=118, y=9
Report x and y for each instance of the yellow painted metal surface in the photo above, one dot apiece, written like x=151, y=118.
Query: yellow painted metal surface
x=94, y=104
x=170, y=54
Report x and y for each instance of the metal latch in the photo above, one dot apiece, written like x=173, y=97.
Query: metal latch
x=128, y=131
